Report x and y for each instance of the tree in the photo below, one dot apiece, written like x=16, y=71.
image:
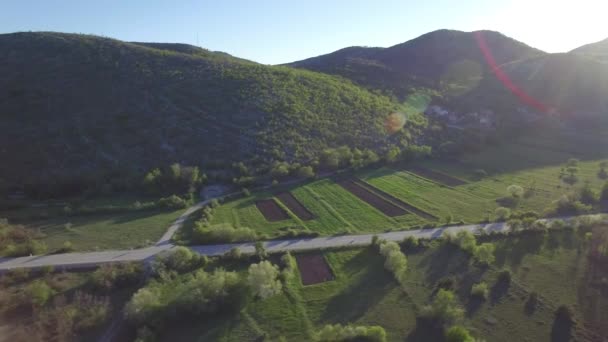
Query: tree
x=393, y=154
x=180, y=259
x=515, y=191
x=395, y=261
x=480, y=290
x=39, y=292
x=306, y=172
x=502, y=213
x=458, y=334
x=260, y=250
x=587, y=195
x=444, y=307
x=484, y=253
x=263, y=279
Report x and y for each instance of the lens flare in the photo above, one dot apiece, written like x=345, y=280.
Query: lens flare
x=394, y=122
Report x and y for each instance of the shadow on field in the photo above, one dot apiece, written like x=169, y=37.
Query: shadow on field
x=512, y=250
x=445, y=260
x=367, y=287
x=426, y=330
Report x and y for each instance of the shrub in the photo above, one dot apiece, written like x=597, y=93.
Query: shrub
x=172, y=202
x=604, y=193
x=444, y=307
x=569, y=205
x=66, y=247
x=480, y=290
x=484, y=253
x=193, y=294
x=180, y=259
x=587, y=195
x=234, y=253
x=515, y=191
x=339, y=333
x=246, y=192
x=262, y=279
x=411, y=242
x=458, y=334
x=38, y=293
x=222, y=233
x=111, y=276
x=306, y=172
x=502, y=213
x=395, y=261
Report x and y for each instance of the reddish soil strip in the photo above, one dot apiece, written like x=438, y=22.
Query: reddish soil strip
x=295, y=206
x=271, y=210
x=436, y=176
x=364, y=194
x=313, y=269
x=396, y=200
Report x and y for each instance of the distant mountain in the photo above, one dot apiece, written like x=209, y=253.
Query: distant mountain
x=565, y=84
x=434, y=60
x=76, y=106
x=598, y=50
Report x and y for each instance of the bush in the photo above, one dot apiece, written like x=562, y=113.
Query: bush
x=480, y=290
x=112, y=276
x=502, y=213
x=38, y=293
x=193, y=294
x=339, y=333
x=480, y=174
x=569, y=205
x=484, y=253
x=604, y=193
x=395, y=261
x=222, y=233
x=458, y=334
x=180, y=259
x=587, y=195
x=411, y=242
x=444, y=307
x=515, y=191
x=263, y=279
x=306, y=172
x=172, y=202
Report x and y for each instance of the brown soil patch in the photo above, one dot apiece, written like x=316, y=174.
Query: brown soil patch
x=397, y=201
x=371, y=198
x=271, y=210
x=313, y=269
x=295, y=206
x=436, y=176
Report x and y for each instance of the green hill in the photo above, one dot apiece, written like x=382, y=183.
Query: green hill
x=76, y=106
x=434, y=60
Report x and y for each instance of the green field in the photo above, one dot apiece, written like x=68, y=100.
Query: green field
x=364, y=293
x=532, y=161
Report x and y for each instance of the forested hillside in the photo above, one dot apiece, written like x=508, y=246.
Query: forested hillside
x=79, y=107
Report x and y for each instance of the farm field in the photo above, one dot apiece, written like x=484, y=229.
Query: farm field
x=364, y=293
x=404, y=196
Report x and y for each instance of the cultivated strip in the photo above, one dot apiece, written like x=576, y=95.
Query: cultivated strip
x=436, y=176
x=271, y=210
x=295, y=206
x=396, y=200
x=371, y=198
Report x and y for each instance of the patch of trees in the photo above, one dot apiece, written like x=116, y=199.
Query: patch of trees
x=465, y=240
x=179, y=259
x=109, y=277
x=194, y=293
x=568, y=173
x=345, y=157
x=340, y=333
x=175, y=179
x=569, y=204
x=514, y=195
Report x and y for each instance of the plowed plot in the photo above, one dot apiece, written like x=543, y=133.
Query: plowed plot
x=271, y=210
x=386, y=207
x=438, y=177
x=394, y=199
x=295, y=206
x=313, y=269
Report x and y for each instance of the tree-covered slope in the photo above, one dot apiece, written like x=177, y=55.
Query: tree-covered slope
x=433, y=60
x=77, y=105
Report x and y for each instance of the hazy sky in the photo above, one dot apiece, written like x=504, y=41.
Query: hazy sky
x=273, y=31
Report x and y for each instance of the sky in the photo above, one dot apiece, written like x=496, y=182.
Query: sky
x=273, y=31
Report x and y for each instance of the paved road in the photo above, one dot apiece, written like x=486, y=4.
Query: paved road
x=88, y=260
